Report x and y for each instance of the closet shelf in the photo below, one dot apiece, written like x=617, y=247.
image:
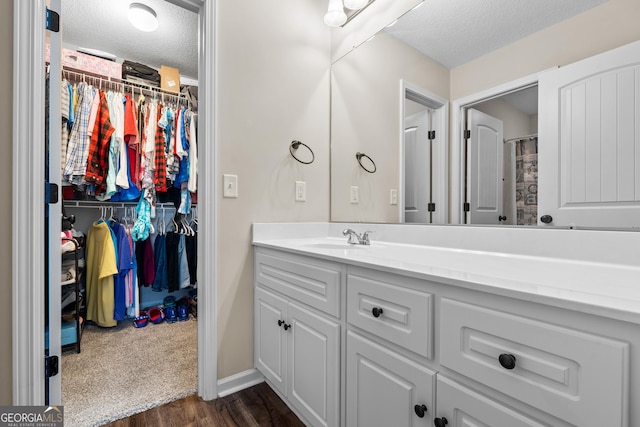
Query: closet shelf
x=72, y=331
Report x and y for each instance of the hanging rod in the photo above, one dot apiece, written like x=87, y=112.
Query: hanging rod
x=110, y=82
x=520, y=138
x=116, y=205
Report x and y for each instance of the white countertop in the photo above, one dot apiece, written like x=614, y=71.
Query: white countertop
x=604, y=288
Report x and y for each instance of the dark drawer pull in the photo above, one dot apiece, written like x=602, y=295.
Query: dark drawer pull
x=440, y=422
x=507, y=361
x=376, y=311
x=421, y=410
x=280, y=322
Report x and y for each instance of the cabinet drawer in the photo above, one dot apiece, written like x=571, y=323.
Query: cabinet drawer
x=463, y=407
x=386, y=309
x=384, y=388
x=313, y=282
x=575, y=376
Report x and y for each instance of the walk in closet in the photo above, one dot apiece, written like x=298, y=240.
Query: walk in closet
x=128, y=165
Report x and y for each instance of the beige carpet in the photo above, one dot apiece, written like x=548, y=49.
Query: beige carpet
x=125, y=370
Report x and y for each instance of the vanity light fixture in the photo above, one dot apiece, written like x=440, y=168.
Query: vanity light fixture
x=143, y=17
x=335, y=16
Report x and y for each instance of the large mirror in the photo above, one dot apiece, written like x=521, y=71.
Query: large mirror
x=393, y=99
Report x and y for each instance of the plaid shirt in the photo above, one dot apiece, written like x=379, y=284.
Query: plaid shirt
x=98, y=159
x=78, y=148
x=160, y=178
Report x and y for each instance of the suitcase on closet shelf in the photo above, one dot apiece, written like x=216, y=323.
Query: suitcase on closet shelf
x=140, y=73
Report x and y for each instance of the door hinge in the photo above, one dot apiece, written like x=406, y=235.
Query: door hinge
x=467, y=134
x=53, y=21
x=466, y=207
x=51, y=193
x=431, y=135
x=51, y=365
x=431, y=207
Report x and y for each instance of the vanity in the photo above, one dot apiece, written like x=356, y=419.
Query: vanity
x=446, y=325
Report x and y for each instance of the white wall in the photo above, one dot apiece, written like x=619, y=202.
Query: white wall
x=273, y=64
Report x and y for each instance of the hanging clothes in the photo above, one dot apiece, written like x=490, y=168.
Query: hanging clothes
x=193, y=155
x=98, y=160
x=100, y=258
x=160, y=155
x=184, y=278
x=173, y=273
x=78, y=147
x=124, y=264
x=161, y=280
x=144, y=260
x=191, y=248
x=65, y=101
x=132, y=139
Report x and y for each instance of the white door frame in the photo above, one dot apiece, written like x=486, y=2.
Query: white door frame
x=440, y=122
x=457, y=133
x=28, y=261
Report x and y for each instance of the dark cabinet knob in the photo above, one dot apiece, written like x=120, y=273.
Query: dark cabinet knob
x=286, y=326
x=280, y=322
x=502, y=218
x=546, y=219
x=376, y=311
x=440, y=422
x=420, y=410
x=507, y=361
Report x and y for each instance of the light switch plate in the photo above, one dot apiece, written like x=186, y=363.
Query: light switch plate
x=393, y=197
x=230, y=183
x=301, y=191
x=355, y=194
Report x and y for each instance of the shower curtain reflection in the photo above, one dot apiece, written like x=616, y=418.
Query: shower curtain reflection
x=527, y=181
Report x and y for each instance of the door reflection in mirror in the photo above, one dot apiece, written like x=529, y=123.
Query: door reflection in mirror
x=424, y=157
x=501, y=164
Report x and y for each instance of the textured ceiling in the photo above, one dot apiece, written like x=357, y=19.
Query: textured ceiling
x=103, y=25
x=453, y=32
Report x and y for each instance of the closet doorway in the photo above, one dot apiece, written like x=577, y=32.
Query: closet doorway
x=29, y=48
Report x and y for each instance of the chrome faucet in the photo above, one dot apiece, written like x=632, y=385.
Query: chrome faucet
x=355, y=239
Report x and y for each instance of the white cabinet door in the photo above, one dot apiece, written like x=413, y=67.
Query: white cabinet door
x=270, y=344
x=386, y=389
x=485, y=164
x=463, y=407
x=589, y=133
x=314, y=366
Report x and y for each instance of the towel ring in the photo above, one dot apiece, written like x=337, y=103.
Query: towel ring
x=359, y=157
x=294, y=146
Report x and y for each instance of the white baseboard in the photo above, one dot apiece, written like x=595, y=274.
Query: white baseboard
x=240, y=381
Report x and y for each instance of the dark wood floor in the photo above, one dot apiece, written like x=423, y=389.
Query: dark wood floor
x=255, y=406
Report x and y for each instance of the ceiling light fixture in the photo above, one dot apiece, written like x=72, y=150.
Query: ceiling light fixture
x=143, y=17
x=342, y=11
x=335, y=16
